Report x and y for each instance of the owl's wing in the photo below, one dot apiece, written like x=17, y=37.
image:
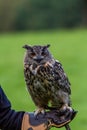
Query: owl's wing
x=61, y=78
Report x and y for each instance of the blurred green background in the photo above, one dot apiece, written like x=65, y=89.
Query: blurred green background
x=63, y=24
x=42, y=14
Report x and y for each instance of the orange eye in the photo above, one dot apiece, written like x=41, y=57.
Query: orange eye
x=32, y=54
x=43, y=53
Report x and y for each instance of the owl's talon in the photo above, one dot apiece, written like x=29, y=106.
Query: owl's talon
x=70, y=109
x=38, y=111
x=66, y=107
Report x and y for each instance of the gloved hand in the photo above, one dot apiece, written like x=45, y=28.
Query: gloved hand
x=51, y=118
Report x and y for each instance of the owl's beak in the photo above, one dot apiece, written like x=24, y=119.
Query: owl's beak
x=38, y=59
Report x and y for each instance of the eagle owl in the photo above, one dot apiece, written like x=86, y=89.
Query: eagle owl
x=45, y=78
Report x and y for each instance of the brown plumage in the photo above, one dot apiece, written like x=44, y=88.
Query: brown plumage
x=45, y=79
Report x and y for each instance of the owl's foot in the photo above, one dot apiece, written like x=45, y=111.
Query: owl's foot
x=66, y=107
x=38, y=111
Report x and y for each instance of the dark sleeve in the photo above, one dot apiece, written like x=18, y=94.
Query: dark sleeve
x=9, y=119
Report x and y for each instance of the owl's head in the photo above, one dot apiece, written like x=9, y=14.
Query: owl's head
x=37, y=54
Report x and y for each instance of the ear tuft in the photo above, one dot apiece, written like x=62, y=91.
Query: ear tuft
x=26, y=47
x=48, y=45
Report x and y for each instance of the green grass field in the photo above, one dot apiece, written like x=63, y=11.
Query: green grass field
x=68, y=46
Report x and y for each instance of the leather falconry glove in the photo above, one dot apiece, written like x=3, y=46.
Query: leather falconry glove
x=52, y=118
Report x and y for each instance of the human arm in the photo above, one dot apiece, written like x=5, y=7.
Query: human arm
x=9, y=119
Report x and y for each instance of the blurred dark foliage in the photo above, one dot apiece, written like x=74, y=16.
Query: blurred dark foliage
x=42, y=14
